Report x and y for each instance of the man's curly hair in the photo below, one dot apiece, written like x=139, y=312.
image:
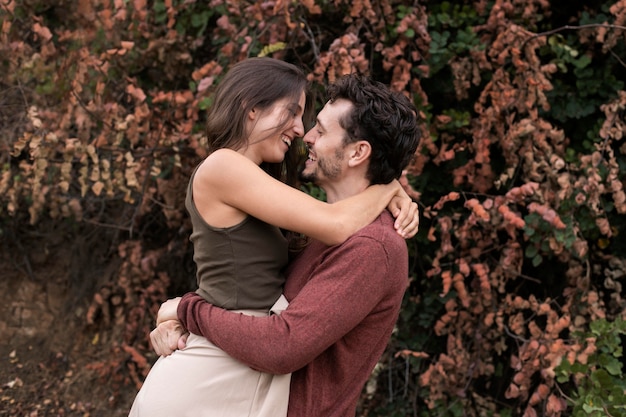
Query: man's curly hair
x=384, y=118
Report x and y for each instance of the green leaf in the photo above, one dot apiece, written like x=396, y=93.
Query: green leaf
x=591, y=408
x=531, y=251
x=614, y=367
x=205, y=103
x=598, y=327
x=582, y=62
x=159, y=6
x=199, y=19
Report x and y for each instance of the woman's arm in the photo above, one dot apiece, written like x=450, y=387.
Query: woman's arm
x=238, y=182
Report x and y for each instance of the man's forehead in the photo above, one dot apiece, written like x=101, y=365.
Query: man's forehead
x=332, y=112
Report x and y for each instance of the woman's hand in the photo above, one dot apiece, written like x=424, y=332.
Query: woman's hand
x=406, y=212
x=168, y=310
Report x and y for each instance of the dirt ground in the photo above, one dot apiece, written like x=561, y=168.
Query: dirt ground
x=49, y=358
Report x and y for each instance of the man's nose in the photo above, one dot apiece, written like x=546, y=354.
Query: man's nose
x=308, y=138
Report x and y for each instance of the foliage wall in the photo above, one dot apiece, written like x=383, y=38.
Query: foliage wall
x=516, y=306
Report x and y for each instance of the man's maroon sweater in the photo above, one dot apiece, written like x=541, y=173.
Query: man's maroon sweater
x=344, y=302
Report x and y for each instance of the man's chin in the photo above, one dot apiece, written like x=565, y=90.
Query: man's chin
x=307, y=177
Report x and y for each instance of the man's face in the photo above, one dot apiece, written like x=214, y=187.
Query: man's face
x=326, y=161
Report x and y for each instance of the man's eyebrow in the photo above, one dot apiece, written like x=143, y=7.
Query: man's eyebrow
x=319, y=122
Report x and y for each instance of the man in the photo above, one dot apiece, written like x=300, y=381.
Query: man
x=344, y=300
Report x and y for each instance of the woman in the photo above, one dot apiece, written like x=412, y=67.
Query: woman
x=236, y=210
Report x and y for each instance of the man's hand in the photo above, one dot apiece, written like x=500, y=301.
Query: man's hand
x=168, y=310
x=167, y=337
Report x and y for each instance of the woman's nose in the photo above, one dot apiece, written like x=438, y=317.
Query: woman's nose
x=298, y=128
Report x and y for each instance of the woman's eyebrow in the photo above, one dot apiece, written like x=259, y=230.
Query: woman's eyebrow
x=296, y=108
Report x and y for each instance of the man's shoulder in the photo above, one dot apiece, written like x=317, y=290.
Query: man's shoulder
x=381, y=232
x=381, y=228
x=384, y=246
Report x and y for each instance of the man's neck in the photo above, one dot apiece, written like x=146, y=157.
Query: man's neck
x=339, y=190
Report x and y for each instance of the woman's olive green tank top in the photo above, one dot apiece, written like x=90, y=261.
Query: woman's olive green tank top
x=239, y=267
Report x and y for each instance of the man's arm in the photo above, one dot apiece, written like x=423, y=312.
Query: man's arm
x=347, y=286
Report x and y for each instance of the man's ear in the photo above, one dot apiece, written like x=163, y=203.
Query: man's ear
x=359, y=152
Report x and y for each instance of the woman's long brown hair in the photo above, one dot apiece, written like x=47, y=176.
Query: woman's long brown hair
x=255, y=83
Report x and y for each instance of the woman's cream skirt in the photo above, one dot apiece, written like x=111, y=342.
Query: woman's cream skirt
x=203, y=381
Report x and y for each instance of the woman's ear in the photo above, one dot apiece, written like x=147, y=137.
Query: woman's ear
x=359, y=152
x=252, y=114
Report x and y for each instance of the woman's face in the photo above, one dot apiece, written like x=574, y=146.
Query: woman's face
x=273, y=130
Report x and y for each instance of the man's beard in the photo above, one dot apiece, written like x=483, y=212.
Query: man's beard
x=326, y=168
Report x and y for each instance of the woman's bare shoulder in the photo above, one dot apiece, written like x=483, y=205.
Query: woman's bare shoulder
x=223, y=159
x=223, y=154
x=224, y=166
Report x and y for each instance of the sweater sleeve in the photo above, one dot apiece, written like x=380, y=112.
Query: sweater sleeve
x=345, y=288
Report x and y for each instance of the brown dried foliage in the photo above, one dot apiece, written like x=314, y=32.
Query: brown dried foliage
x=481, y=254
